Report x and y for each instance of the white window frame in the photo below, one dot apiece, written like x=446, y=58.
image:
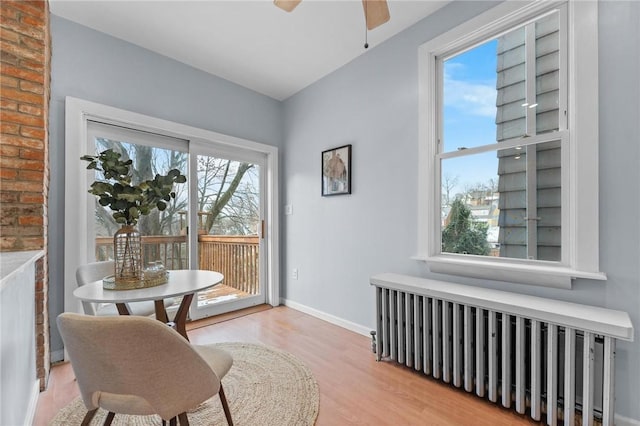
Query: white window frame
x=78, y=113
x=580, y=240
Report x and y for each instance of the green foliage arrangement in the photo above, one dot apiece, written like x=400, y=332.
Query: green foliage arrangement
x=463, y=234
x=128, y=202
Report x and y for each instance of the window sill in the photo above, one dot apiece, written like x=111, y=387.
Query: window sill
x=540, y=275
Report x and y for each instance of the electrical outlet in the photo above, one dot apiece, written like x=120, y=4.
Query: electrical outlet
x=294, y=273
x=288, y=209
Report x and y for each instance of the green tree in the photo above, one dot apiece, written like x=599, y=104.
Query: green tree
x=462, y=234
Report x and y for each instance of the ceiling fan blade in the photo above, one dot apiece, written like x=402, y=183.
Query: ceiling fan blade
x=287, y=5
x=376, y=12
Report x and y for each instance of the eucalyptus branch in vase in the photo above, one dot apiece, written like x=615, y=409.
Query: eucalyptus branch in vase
x=128, y=201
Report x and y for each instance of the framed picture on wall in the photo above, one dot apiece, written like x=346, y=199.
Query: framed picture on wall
x=336, y=171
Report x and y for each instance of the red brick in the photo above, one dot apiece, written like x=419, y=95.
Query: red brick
x=30, y=175
x=22, y=186
x=32, y=65
x=31, y=198
x=8, y=243
x=32, y=43
x=30, y=154
x=29, y=20
x=28, y=109
x=22, y=142
x=21, y=73
x=19, y=243
x=23, y=52
x=9, y=36
x=19, y=95
x=10, y=174
x=32, y=132
x=24, y=29
x=9, y=129
x=39, y=322
x=30, y=220
x=28, y=86
x=9, y=214
x=8, y=104
x=33, y=8
x=9, y=58
x=7, y=197
x=21, y=231
x=16, y=117
x=33, y=243
x=9, y=151
x=9, y=13
x=19, y=210
x=6, y=80
x=18, y=163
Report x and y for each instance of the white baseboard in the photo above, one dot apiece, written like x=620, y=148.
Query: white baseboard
x=626, y=421
x=33, y=403
x=351, y=326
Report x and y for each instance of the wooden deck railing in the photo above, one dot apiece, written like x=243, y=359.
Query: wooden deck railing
x=235, y=257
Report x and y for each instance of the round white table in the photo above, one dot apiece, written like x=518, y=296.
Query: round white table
x=185, y=283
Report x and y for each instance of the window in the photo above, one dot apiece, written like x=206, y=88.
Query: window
x=151, y=154
x=508, y=146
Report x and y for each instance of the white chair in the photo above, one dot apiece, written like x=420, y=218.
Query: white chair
x=139, y=366
x=98, y=270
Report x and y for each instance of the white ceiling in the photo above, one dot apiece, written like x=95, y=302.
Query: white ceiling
x=251, y=43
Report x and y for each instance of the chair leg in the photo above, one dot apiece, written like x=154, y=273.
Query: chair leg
x=183, y=419
x=225, y=406
x=88, y=417
x=109, y=419
x=173, y=422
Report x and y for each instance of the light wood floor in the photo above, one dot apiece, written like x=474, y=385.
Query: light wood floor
x=354, y=388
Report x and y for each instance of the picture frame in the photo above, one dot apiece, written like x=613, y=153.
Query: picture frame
x=336, y=171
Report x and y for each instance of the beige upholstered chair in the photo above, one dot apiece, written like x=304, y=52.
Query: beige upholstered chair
x=96, y=271
x=139, y=366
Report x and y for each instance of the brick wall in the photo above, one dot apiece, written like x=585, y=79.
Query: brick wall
x=24, y=171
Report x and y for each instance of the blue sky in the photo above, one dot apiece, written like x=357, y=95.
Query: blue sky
x=469, y=113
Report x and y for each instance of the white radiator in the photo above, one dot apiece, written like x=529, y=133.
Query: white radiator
x=542, y=357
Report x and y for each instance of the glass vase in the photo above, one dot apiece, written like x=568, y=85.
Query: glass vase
x=127, y=245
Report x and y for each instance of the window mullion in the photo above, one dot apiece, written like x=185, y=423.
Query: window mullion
x=530, y=78
x=439, y=149
x=564, y=66
x=531, y=221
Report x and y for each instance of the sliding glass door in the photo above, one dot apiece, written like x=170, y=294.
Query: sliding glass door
x=222, y=202
x=229, y=215
x=237, y=235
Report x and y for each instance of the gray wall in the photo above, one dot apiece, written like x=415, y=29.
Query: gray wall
x=372, y=103
x=93, y=66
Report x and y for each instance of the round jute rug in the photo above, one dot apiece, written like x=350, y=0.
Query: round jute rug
x=264, y=387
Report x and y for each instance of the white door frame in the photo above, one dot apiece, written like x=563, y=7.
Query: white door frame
x=77, y=209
